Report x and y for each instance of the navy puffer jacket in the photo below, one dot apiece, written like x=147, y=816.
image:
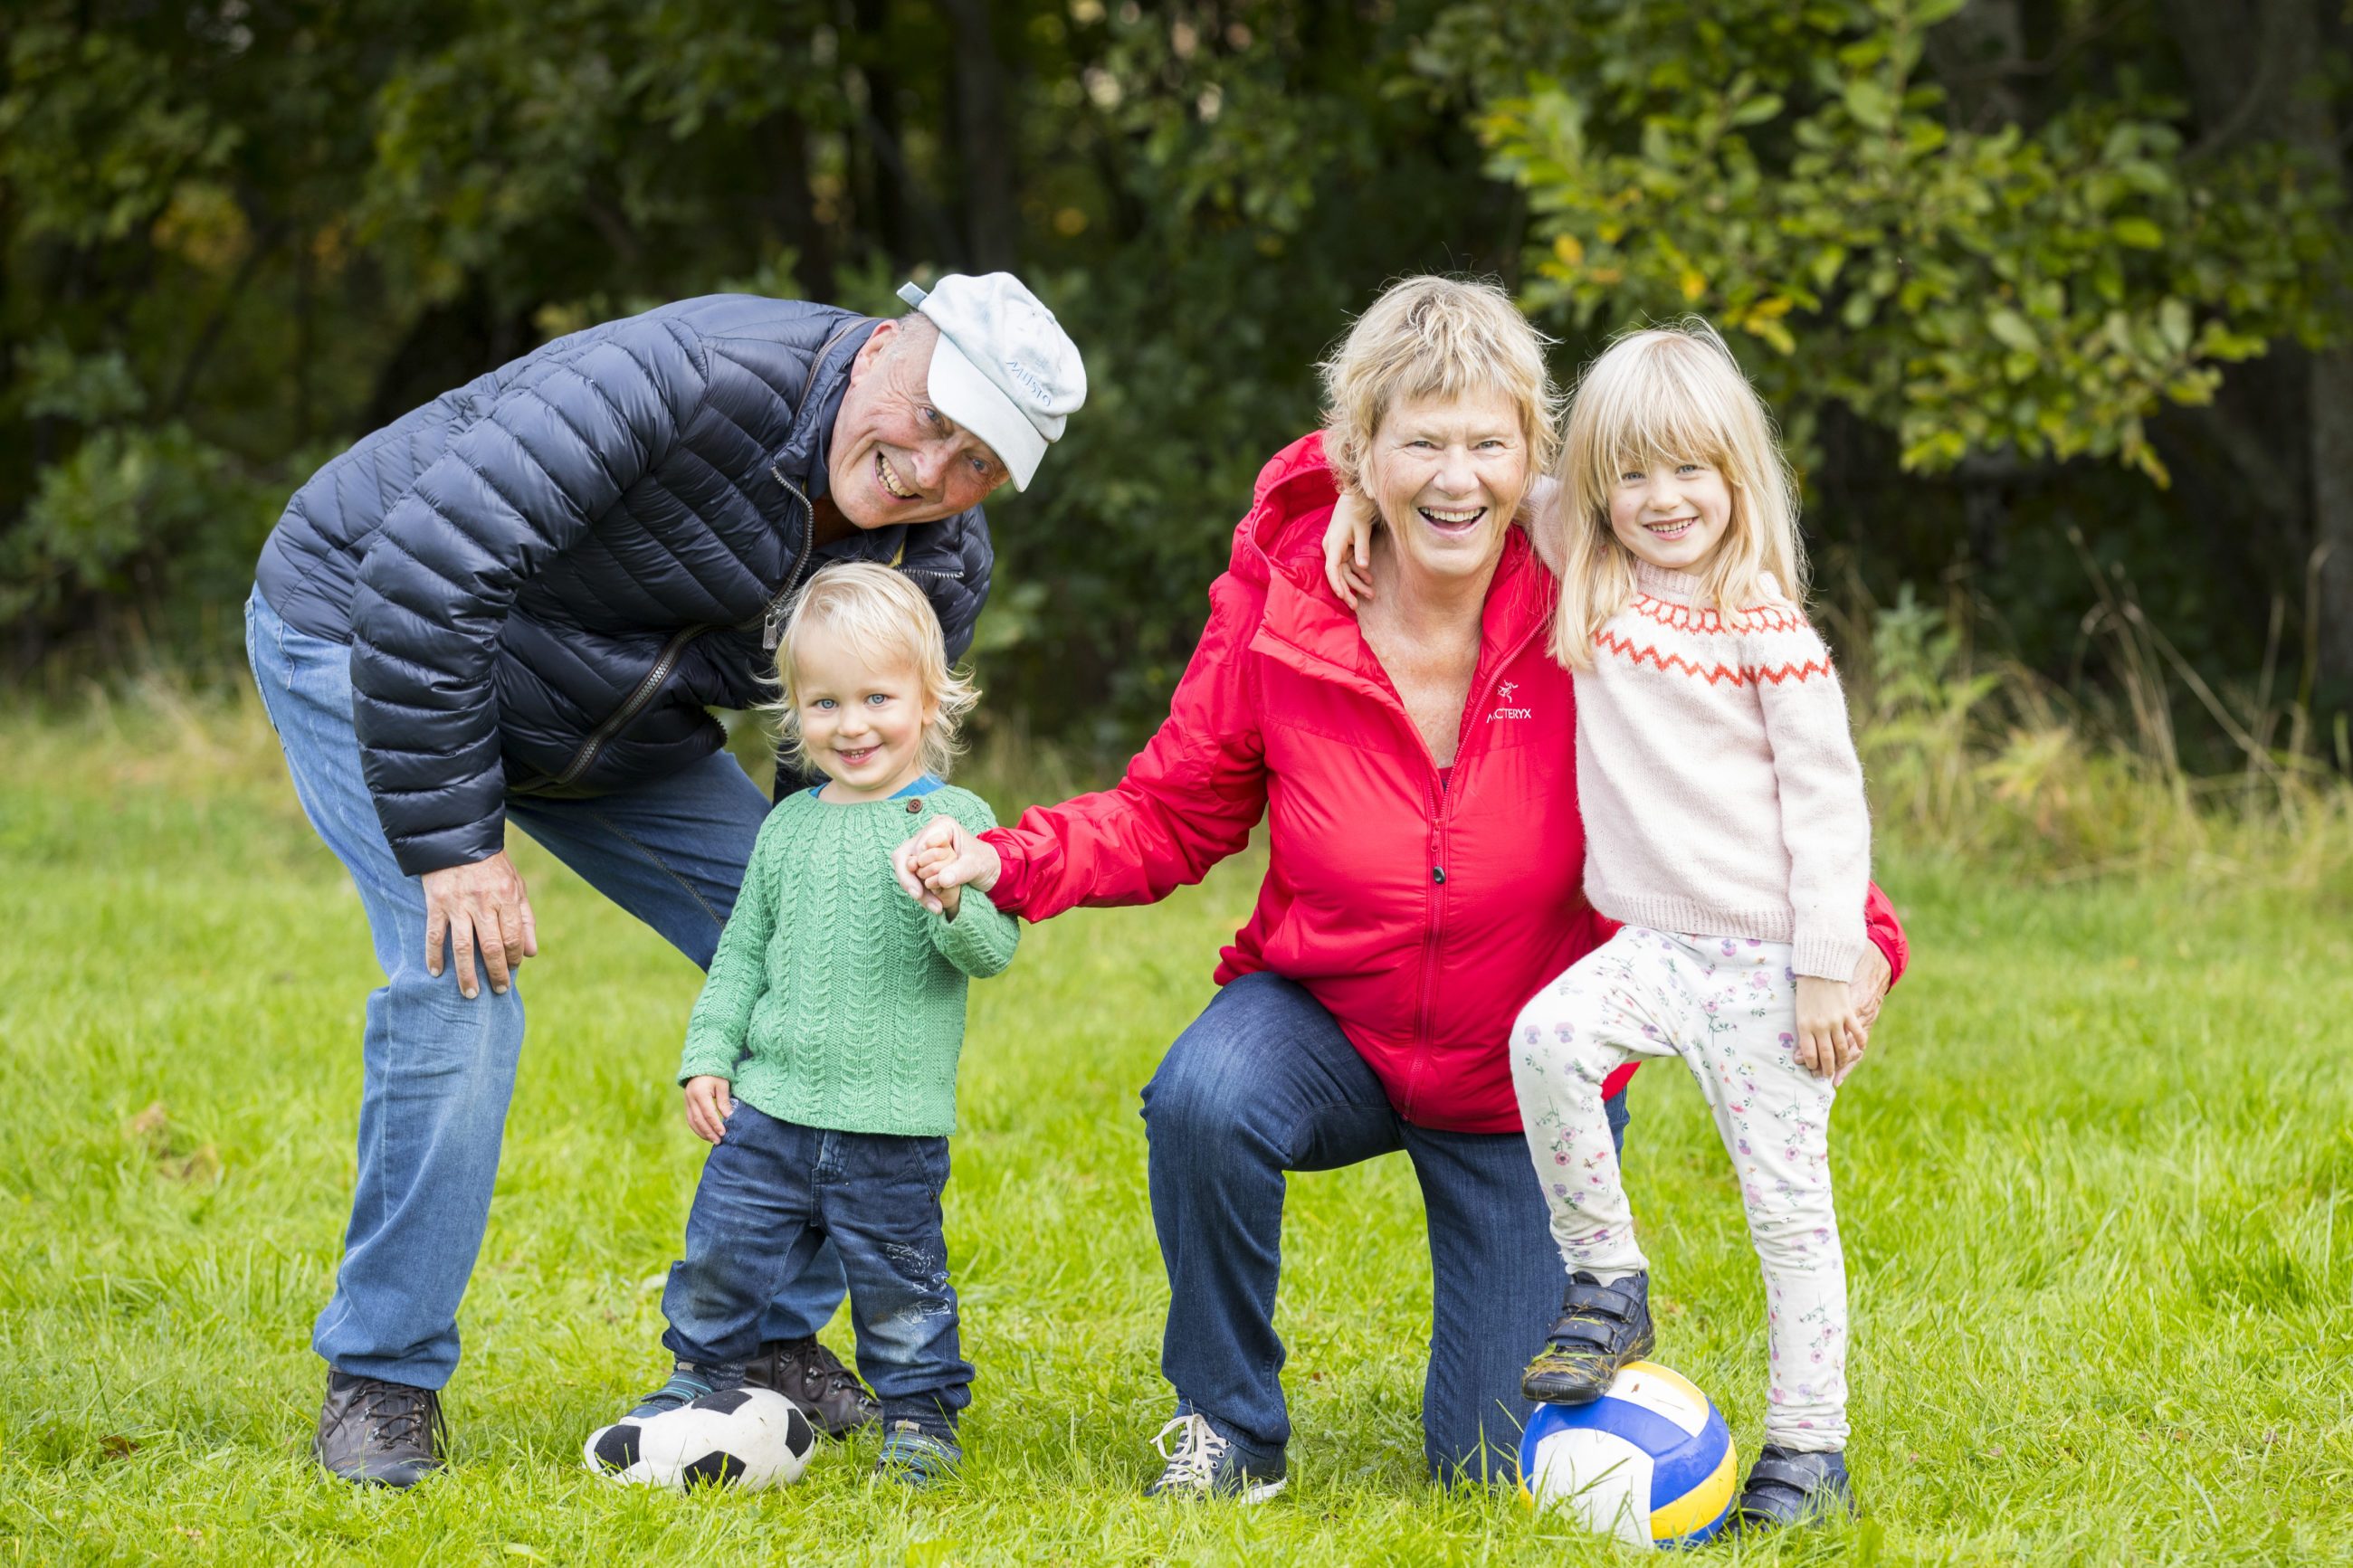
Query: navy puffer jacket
x=550, y=575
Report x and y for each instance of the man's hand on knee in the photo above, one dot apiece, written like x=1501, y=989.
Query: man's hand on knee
x=482, y=906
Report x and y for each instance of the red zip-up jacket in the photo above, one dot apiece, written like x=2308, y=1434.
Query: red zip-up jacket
x=1423, y=915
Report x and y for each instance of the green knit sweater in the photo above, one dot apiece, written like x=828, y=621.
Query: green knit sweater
x=835, y=1000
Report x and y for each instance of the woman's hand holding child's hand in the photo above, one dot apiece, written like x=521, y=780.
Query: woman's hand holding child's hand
x=941, y=859
x=709, y=1103
x=1829, y=1027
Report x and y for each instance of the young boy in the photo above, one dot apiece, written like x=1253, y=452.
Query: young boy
x=820, y=1060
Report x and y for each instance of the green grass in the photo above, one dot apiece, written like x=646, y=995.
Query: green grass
x=2096, y=1186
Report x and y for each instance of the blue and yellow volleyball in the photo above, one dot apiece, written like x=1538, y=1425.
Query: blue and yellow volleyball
x=1649, y=1462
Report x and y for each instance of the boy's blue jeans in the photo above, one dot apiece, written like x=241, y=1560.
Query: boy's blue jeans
x=437, y=1070
x=1264, y=1082
x=771, y=1191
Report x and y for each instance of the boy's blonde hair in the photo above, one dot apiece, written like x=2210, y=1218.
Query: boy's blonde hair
x=881, y=612
x=1671, y=395
x=1434, y=337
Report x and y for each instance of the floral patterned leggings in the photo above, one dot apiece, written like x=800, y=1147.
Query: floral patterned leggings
x=1727, y=1006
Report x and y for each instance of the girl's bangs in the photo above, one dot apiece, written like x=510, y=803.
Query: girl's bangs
x=1656, y=412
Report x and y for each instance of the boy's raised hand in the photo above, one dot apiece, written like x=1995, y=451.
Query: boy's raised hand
x=1348, y=549
x=710, y=1101
x=1829, y=1027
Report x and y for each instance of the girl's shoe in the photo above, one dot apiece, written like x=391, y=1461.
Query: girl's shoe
x=1601, y=1328
x=914, y=1458
x=1787, y=1488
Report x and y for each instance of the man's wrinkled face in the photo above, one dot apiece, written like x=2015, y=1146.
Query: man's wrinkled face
x=897, y=458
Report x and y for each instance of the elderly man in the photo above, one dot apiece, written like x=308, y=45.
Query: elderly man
x=519, y=603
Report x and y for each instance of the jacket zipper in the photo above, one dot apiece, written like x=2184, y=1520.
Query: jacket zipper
x=1442, y=803
x=771, y=620
x=772, y=625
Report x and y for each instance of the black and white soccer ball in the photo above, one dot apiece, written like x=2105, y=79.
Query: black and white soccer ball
x=748, y=1438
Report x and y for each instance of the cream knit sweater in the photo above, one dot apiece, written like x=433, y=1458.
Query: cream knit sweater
x=1721, y=792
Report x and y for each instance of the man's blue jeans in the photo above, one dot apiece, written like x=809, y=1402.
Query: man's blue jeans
x=438, y=1069
x=1264, y=1082
x=770, y=1191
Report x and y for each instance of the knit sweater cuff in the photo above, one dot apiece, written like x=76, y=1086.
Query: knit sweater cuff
x=705, y=1059
x=1827, y=955
x=981, y=939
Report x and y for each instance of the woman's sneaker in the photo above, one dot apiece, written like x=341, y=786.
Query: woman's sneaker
x=917, y=1458
x=1601, y=1328
x=1787, y=1487
x=813, y=1377
x=1205, y=1466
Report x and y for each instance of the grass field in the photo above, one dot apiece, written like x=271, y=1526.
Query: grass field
x=2092, y=1179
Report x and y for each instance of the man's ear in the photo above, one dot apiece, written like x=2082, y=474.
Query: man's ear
x=870, y=354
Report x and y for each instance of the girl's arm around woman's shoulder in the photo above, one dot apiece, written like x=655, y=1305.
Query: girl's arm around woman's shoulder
x=978, y=938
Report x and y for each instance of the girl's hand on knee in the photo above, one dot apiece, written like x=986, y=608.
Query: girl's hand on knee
x=1829, y=1027
x=709, y=1104
x=1348, y=549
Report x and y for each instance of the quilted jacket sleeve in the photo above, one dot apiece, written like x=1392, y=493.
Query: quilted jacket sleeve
x=1189, y=799
x=525, y=482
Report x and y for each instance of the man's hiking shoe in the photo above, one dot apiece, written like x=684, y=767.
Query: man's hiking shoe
x=1601, y=1328
x=687, y=1383
x=914, y=1458
x=1205, y=1465
x=813, y=1377
x=376, y=1433
x=1787, y=1487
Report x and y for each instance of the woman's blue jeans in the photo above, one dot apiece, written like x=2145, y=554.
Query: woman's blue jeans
x=1263, y=1082
x=438, y=1069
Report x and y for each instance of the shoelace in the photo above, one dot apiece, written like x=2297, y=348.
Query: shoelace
x=397, y=1415
x=1195, y=1463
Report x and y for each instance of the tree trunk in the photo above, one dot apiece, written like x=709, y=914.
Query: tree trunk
x=985, y=137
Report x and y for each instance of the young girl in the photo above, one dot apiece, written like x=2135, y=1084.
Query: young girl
x=1726, y=829
x=821, y=1057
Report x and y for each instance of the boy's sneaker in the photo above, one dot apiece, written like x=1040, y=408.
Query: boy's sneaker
x=372, y=1432
x=688, y=1383
x=1601, y=1328
x=1207, y=1466
x=813, y=1377
x=1787, y=1488
x=914, y=1458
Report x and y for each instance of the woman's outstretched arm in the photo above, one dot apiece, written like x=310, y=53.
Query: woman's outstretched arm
x=1188, y=800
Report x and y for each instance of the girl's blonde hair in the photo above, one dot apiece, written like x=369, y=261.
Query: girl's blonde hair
x=882, y=614
x=1671, y=395
x=1434, y=337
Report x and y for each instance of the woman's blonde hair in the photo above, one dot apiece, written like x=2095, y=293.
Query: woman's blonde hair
x=882, y=614
x=1434, y=337
x=1671, y=395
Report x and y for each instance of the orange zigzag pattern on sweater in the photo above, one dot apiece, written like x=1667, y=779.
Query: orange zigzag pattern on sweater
x=1670, y=662
x=1684, y=618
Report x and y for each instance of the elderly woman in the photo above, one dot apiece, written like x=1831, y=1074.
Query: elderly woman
x=1414, y=766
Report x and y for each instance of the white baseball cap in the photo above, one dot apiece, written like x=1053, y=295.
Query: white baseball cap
x=1003, y=368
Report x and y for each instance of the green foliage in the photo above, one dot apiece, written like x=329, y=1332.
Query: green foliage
x=234, y=238
x=1793, y=173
